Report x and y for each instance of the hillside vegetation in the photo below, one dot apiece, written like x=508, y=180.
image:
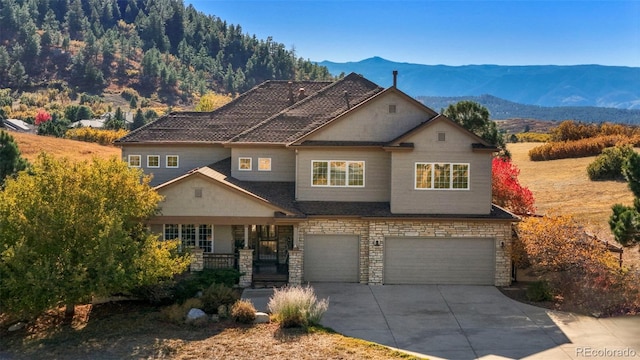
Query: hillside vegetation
x=32, y=145
x=160, y=48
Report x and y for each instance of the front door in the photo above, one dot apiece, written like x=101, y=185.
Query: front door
x=265, y=237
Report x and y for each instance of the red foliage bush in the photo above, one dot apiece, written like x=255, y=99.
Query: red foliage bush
x=42, y=116
x=507, y=190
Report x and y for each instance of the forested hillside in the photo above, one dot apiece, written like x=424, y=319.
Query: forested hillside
x=156, y=47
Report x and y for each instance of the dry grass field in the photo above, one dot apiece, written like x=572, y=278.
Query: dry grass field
x=563, y=187
x=32, y=145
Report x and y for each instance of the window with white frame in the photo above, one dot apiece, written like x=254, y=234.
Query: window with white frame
x=244, y=164
x=134, y=160
x=205, y=238
x=264, y=164
x=191, y=235
x=172, y=161
x=153, y=161
x=441, y=176
x=337, y=173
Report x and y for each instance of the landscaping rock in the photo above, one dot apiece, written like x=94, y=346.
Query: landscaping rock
x=261, y=318
x=17, y=326
x=194, y=315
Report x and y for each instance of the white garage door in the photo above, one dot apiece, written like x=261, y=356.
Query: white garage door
x=331, y=258
x=439, y=261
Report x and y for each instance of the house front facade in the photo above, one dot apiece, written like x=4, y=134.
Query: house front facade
x=339, y=181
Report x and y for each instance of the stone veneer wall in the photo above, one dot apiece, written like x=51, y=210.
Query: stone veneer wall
x=372, y=256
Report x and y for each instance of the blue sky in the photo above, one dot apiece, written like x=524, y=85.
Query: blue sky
x=444, y=32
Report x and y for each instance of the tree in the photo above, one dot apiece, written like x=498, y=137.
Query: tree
x=625, y=220
x=42, y=116
x=211, y=101
x=475, y=118
x=507, y=190
x=10, y=160
x=138, y=120
x=71, y=231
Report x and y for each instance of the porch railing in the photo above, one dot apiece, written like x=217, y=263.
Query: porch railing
x=220, y=261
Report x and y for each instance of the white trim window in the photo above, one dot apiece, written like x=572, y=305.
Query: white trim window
x=337, y=173
x=188, y=233
x=134, y=160
x=153, y=161
x=264, y=164
x=441, y=176
x=173, y=161
x=244, y=164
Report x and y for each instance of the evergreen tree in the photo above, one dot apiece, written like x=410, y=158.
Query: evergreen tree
x=138, y=120
x=10, y=160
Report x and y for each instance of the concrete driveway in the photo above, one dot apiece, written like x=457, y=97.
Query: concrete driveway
x=467, y=322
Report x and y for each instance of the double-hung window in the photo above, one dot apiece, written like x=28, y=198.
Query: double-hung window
x=172, y=161
x=153, y=161
x=134, y=160
x=441, y=176
x=337, y=173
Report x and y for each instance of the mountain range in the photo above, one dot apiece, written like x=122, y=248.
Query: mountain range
x=542, y=85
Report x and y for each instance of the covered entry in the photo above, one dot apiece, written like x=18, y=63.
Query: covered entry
x=331, y=258
x=439, y=261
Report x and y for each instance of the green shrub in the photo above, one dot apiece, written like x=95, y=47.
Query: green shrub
x=162, y=292
x=539, y=291
x=192, y=283
x=216, y=295
x=608, y=165
x=243, y=312
x=297, y=306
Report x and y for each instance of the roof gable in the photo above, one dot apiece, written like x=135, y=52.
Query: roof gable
x=312, y=112
x=225, y=184
x=439, y=118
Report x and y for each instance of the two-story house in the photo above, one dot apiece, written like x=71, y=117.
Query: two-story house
x=339, y=181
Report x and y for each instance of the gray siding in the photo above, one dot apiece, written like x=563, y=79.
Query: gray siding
x=456, y=149
x=222, y=239
x=283, y=166
x=374, y=122
x=376, y=176
x=190, y=157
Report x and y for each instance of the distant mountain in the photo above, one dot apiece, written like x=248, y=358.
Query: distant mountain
x=544, y=85
x=501, y=109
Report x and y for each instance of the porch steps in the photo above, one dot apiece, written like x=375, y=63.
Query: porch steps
x=261, y=281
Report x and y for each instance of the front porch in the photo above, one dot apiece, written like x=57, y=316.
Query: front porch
x=262, y=253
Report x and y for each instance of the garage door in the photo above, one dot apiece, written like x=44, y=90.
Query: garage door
x=331, y=258
x=439, y=261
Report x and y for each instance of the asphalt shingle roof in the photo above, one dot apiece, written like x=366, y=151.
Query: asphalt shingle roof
x=220, y=125
x=272, y=112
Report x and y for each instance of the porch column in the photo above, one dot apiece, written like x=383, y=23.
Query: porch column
x=197, y=259
x=246, y=236
x=295, y=237
x=295, y=267
x=245, y=266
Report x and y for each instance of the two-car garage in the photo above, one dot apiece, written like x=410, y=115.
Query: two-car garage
x=414, y=260
x=407, y=260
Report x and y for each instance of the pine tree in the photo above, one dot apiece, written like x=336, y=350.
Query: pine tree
x=10, y=160
x=138, y=120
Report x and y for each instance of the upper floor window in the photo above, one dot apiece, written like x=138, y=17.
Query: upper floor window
x=153, y=161
x=244, y=163
x=337, y=173
x=134, y=160
x=172, y=161
x=441, y=176
x=264, y=164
